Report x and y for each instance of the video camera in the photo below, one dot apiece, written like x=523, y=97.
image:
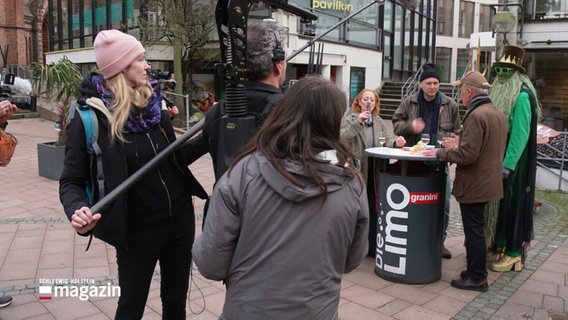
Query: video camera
x=164, y=78
x=159, y=74
x=6, y=94
x=25, y=103
x=6, y=78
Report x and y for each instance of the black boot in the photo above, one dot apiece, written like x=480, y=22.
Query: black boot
x=470, y=284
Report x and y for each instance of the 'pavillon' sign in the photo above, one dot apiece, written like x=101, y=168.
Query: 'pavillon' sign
x=331, y=5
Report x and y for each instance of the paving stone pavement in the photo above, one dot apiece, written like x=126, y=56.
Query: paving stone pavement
x=37, y=245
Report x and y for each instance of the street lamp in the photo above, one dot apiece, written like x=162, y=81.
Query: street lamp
x=504, y=21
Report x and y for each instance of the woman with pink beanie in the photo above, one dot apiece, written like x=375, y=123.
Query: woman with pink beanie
x=154, y=220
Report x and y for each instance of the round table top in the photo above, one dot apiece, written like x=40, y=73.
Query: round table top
x=398, y=153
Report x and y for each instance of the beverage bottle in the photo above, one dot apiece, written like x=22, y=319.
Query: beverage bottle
x=369, y=121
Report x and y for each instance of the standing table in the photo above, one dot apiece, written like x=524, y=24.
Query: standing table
x=409, y=218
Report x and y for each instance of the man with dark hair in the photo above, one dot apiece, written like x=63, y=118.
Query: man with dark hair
x=428, y=111
x=266, y=72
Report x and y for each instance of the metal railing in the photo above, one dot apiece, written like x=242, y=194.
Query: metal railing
x=552, y=157
x=411, y=85
x=187, y=105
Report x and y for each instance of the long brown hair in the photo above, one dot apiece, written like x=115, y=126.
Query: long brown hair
x=305, y=122
x=357, y=108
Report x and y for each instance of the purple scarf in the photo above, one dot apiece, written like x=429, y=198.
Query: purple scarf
x=136, y=123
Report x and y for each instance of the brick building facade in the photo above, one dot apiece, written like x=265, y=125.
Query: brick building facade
x=21, y=30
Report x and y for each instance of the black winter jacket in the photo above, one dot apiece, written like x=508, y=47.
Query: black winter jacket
x=113, y=225
x=258, y=95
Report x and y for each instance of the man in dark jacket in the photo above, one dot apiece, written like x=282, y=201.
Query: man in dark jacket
x=428, y=111
x=478, y=153
x=266, y=72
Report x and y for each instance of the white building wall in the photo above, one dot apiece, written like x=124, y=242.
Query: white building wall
x=334, y=54
x=77, y=56
x=454, y=42
x=544, y=35
x=87, y=55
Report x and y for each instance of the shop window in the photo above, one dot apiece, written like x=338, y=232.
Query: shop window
x=356, y=82
x=485, y=15
x=444, y=63
x=445, y=17
x=466, y=19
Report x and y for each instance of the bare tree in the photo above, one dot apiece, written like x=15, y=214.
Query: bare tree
x=188, y=26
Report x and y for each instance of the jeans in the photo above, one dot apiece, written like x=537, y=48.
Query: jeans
x=168, y=242
x=475, y=246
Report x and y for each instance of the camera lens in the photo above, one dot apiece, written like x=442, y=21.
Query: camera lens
x=27, y=103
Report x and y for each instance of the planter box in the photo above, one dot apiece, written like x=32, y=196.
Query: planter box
x=50, y=160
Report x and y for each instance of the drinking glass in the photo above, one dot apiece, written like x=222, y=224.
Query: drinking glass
x=382, y=138
x=425, y=138
x=440, y=138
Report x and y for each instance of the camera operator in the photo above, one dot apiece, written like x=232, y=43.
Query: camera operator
x=7, y=109
x=266, y=74
x=160, y=78
x=170, y=86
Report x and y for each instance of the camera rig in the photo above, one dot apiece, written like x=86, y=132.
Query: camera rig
x=236, y=127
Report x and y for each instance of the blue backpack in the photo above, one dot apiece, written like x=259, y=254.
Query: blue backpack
x=91, y=125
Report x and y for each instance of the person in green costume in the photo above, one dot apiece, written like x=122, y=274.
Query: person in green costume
x=515, y=95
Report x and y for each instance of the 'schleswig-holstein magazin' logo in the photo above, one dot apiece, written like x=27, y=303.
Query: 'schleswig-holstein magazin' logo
x=83, y=289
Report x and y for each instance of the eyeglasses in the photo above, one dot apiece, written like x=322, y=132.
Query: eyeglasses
x=504, y=70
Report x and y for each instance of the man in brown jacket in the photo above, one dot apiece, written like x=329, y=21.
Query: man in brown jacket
x=478, y=152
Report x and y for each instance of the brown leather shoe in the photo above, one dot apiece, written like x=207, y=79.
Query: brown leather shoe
x=463, y=274
x=469, y=284
x=446, y=254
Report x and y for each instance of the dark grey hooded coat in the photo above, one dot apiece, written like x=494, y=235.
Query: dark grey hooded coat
x=280, y=256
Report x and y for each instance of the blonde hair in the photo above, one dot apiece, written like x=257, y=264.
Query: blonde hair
x=357, y=108
x=126, y=99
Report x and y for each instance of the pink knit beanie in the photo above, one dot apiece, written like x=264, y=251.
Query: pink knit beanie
x=115, y=51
